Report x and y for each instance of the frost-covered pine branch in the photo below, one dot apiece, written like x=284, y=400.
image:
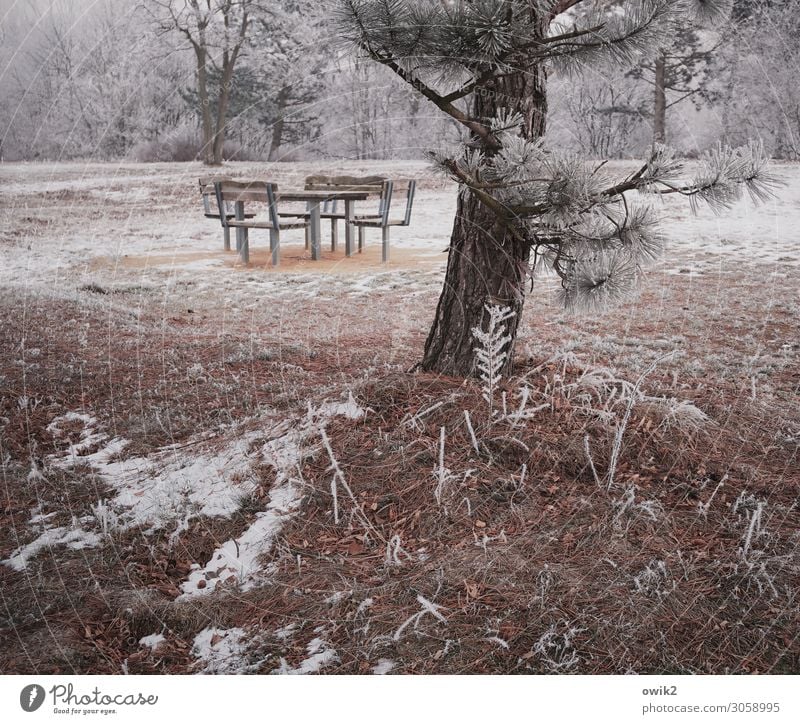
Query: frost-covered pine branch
x=492, y=351
x=585, y=226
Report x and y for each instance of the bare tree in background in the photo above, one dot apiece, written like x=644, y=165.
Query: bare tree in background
x=605, y=115
x=760, y=60
x=217, y=31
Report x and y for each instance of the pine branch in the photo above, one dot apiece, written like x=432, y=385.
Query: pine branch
x=442, y=102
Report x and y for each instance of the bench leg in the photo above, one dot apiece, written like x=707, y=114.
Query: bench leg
x=385, y=241
x=275, y=246
x=226, y=237
x=361, y=233
x=334, y=234
x=308, y=237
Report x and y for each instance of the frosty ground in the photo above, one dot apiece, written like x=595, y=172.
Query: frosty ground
x=211, y=468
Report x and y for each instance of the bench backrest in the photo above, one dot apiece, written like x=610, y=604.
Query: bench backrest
x=410, y=188
x=231, y=192
x=396, y=189
x=368, y=184
x=208, y=194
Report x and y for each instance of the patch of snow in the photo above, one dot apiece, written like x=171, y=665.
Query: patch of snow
x=364, y=605
x=238, y=559
x=286, y=632
x=54, y=428
x=73, y=538
x=89, y=437
x=170, y=485
x=349, y=409
x=153, y=641
x=384, y=666
x=42, y=517
x=221, y=651
x=320, y=655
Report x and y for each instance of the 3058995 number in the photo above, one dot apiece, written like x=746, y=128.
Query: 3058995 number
x=751, y=707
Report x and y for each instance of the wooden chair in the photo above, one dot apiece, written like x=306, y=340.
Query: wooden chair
x=329, y=209
x=381, y=220
x=236, y=193
x=211, y=209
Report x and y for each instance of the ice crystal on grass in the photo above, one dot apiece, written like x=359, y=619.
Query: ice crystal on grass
x=428, y=608
x=555, y=648
x=654, y=580
x=491, y=352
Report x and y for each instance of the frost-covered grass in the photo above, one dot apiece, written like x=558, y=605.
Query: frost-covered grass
x=214, y=469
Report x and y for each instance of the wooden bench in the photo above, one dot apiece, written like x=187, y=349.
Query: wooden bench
x=229, y=192
x=382, y=220
x=368, y=184
x=211, y=209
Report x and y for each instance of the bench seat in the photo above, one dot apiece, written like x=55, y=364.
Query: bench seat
x=231, y=215
x=306, y=215
x=377, y=221
x=248, y=224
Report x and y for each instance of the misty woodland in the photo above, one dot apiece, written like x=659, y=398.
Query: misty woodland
x=400, y=337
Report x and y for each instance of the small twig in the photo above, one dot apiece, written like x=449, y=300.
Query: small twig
x=471, y=433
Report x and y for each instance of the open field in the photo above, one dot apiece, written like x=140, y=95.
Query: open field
x=210, y=468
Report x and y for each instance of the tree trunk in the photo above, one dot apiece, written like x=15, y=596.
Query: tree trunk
x=660, y=102
x=222, y=107
x=486, y=265
x=278, y=126
x=205, y=105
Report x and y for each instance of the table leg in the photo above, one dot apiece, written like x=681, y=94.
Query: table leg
x=316, y=231
x=238, y=214
x=348, y=227
x=242, y=240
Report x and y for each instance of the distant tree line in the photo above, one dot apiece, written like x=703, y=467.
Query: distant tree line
x=221, y=80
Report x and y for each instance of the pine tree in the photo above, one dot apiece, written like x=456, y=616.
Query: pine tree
x=523, y=206
x=682, y=70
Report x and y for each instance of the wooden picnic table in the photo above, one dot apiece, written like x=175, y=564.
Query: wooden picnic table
x=313, y=199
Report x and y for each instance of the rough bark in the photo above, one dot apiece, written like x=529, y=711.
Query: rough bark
x=205, y=105
x=485, y=266
x=486, y=263
x=278, y=127
x=222, y=110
